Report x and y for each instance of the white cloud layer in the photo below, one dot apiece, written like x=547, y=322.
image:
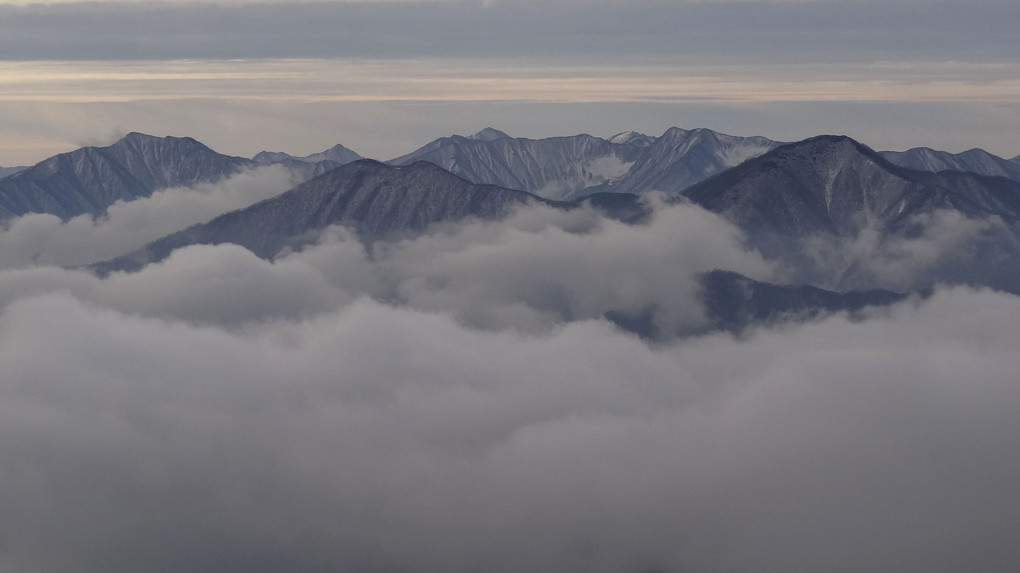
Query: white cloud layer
x=378, y=438
x=44, y=239
x=534, y=270
x=940, y=246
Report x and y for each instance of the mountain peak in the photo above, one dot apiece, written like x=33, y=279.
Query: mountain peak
x=841, y=143
x=825, y=185
x=336, y=154
x=832, y=150
x=489, y=134
x=673, y=133
x=829, y=138
x=137, y=136
x=632, y=138
x=137, y=139
x=90, y=179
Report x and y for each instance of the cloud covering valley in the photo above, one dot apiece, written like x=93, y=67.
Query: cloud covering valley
x=455, y=402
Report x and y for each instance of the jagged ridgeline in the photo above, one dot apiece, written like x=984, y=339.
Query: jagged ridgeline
x=579, y=165
x=787, y=198
x=833, y=189
x=90, y=179
x=375, y=199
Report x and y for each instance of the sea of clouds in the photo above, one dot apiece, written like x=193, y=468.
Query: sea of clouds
x=456, y=402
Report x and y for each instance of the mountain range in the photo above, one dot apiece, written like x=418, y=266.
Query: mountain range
x=828, y=188
x=835, y=185
x=680, y=158
x=554, y=168
x=807, y=204
x=832, y=188
x=379, y=200
x=90, y=179
x=976, y=161
x=373, y=198
x=579, y=165
x=337, y=155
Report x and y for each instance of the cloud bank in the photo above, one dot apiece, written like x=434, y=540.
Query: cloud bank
x=454, y=402
x=44, y=239
x=937, y=247
x=538, y=268
x=380, y=438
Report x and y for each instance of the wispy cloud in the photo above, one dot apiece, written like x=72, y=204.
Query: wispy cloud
x=331, y=80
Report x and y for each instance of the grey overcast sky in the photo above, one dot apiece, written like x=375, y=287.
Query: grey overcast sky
x=384, y=77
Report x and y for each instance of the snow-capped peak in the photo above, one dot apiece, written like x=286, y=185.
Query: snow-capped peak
x=489, y=134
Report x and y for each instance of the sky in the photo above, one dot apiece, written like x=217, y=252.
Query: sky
x=386, y=77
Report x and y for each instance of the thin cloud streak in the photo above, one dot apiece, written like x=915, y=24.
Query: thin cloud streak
x=501, y=81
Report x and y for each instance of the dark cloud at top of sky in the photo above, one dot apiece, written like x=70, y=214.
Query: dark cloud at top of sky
x=713, y=31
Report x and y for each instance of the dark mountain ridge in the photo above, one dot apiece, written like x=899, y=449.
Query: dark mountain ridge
x=833, y=189
x=90, y=179
x=733, y=303
x=835, y=185
x=373, y=198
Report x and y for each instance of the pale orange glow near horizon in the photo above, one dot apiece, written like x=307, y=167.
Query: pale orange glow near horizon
x=49, y=89
x=473, y=81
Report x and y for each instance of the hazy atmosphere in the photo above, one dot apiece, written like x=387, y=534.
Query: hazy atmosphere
x=385, y=77
x=651, y=349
